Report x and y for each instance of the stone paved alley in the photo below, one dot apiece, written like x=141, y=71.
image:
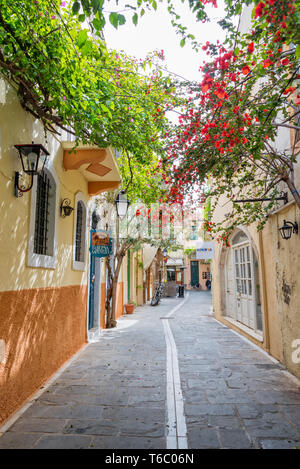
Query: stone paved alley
x=114, y=394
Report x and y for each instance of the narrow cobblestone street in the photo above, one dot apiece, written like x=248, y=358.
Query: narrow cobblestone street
x=114, y=395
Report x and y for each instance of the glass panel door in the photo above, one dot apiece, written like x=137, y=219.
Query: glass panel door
x=244, y=282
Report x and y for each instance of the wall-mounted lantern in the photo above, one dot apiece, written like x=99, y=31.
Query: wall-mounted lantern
x=65, y=208
x=33, y=158
x=165, y=255
x=122, y=204
x=288, y=228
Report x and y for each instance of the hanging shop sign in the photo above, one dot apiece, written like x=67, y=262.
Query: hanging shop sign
x=100, y=243
x=204, y=250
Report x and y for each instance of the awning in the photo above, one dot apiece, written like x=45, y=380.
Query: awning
x=174, y=262
x=149, y=253
x=97, y=165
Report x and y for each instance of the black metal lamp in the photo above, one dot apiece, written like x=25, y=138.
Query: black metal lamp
x=288, y=228
x=122, y=204
x=65, y=208
x=33, y=158
x=165, y=255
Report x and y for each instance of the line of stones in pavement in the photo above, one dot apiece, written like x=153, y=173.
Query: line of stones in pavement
x=135, y=416
x=241, y=405
x=210, y=424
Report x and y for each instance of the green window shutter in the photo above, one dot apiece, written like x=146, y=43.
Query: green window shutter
x=128, y=274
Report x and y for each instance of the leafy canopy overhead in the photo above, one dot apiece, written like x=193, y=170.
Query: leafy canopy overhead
x=229, y=133
x=53, y=53
x=65, y=77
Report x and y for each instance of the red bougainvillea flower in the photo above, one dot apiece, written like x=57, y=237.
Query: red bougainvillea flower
x=246, y=70
x=214, y=2
x=259, y=9
x=291, y=89
x=206, y=83
x=220, y=93
x=285, y=61
x=250, y=47
x=267, y=63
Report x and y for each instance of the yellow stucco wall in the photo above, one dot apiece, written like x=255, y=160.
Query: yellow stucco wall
x=271, y=318
x=42, y=310
x=139, y=271
x=17, y=127
x=136, y=278
x=279, y=281
x=287, y=262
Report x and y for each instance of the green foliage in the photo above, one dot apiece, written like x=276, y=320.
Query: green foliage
x=207, y=210
x=229, y=129
x=96, y=9
x=190, y=252
x=65, y=77
x=142, y=179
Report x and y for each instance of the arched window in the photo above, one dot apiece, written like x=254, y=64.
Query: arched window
x=43, y=219
x=80, y=227
x=240, y=237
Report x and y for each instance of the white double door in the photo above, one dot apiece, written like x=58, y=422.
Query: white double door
x=241, y=285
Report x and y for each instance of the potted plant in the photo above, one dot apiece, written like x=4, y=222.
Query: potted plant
x=129, y=307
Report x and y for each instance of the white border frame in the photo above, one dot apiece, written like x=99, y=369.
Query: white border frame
x=41, y=260
x=77, y=265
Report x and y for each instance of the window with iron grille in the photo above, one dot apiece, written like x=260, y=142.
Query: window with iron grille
x=41, y=231
x=80, y=233
x=44, y=203
x=80, y=226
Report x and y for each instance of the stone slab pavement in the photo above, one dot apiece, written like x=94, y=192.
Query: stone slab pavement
x=113, y=395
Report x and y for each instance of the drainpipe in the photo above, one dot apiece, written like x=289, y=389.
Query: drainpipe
x=264, y=295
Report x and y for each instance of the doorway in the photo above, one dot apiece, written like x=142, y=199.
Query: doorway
x=242, y=283
x=94, y=293
x=194, y=274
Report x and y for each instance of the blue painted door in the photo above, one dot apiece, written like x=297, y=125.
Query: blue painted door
x=92, y=293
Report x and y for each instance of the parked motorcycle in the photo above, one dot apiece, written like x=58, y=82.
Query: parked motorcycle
x=157, y=294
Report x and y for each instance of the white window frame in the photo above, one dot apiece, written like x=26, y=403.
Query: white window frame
x=41, y=260
x=77, y=265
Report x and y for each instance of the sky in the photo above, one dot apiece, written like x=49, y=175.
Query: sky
x=155, y=32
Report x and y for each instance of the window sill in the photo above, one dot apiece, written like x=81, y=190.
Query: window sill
x=79, y=266
x=41, y=261
x=256, y=335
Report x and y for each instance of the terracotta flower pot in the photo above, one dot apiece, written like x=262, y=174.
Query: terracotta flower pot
x=129, y=309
